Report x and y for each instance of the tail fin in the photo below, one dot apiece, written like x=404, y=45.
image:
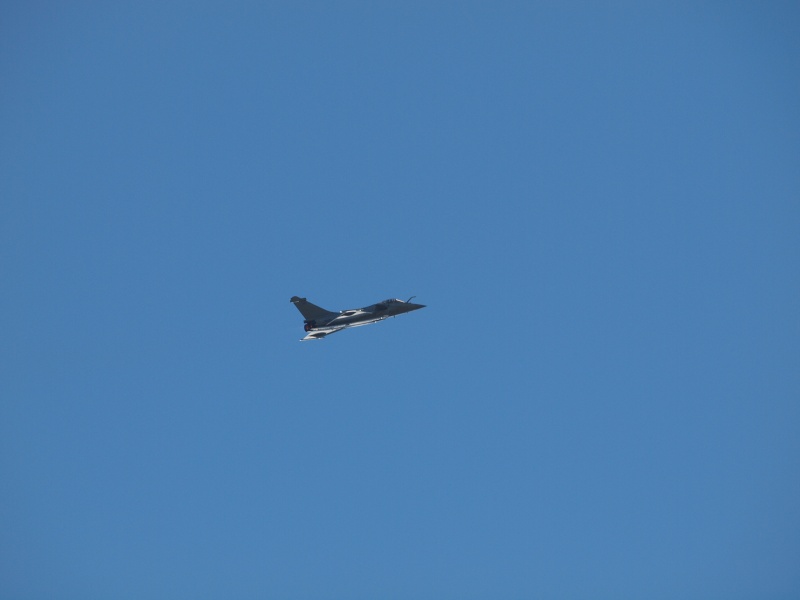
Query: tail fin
x=310, y=311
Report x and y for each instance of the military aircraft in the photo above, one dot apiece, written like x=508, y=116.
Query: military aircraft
x=320, y=323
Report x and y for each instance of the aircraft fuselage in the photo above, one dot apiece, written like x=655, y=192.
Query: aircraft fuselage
x=319, y=322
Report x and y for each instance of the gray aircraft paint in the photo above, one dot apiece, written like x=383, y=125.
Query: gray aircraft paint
x=320, y=323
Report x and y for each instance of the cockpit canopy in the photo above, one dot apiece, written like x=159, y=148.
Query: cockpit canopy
x=384, y=304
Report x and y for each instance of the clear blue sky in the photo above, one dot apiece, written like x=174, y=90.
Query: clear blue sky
x=599, y=203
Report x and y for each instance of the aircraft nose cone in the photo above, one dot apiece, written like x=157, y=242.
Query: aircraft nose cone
x=412, y=306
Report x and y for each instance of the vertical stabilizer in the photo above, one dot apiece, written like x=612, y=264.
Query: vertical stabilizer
x=310, y=312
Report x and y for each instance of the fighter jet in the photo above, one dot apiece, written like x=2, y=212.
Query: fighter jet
x=320, y=323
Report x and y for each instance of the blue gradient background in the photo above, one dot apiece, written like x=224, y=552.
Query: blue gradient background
x=600, y=205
